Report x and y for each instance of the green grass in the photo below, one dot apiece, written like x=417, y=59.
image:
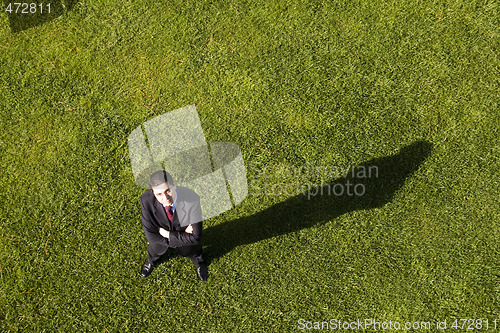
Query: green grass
x=329, y=83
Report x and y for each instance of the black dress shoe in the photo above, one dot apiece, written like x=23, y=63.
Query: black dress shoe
x=147, y=268
x=202, y=272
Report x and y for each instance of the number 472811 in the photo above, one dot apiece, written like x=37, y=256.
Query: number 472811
x=28, y=8
x=471, y=324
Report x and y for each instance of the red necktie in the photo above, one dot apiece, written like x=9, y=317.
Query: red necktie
x=168, y=209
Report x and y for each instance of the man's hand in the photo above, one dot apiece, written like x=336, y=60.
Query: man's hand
x=189, y=229
x=164, y=233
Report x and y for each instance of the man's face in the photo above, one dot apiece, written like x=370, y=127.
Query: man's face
x=165, y=194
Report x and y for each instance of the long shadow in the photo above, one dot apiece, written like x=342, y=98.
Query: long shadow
x=321, y=204
x=28, y=14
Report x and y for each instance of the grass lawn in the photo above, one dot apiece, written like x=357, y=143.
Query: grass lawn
x=409, y=87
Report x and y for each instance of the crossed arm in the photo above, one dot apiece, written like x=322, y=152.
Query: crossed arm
x=191, y=235
x=166, y=233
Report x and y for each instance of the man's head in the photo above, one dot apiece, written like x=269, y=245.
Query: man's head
x=163, y=187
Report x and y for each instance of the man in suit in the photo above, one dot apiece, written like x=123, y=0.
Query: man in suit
x=171, y=218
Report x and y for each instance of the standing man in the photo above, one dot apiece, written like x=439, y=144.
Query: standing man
x=171, y=218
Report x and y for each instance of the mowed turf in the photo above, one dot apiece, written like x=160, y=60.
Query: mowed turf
x=411, y=87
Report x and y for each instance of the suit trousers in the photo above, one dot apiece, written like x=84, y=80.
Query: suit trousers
x=194, y=252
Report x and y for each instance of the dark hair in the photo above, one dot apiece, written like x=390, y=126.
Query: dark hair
x=160, y=177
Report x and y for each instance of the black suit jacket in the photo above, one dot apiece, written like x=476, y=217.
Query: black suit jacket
x=187, y=212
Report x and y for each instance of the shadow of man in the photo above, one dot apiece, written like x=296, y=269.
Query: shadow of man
x=325, y=204
x=26, y=15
